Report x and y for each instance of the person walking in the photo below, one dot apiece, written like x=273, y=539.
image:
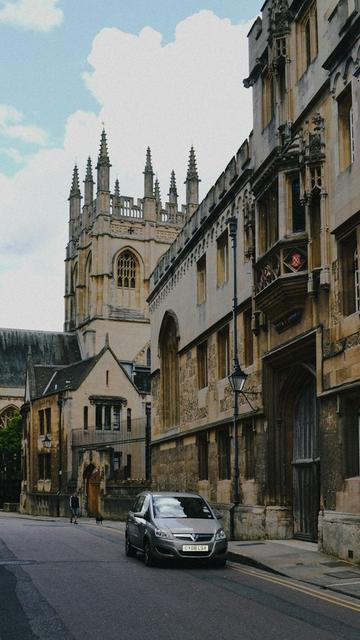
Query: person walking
x=74, y=507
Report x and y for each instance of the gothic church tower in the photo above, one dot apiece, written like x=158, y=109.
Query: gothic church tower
x=114, y=244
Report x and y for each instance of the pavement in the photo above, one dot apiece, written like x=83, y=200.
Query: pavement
x=291, y=558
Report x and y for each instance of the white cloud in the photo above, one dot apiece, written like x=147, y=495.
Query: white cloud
x=14, y=154
x=10, y=119
x=36, y=15
x=186, y=92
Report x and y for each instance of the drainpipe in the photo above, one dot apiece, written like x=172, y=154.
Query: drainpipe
x=60, y=405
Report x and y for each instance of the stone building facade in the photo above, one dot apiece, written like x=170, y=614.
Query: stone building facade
x=294, y=188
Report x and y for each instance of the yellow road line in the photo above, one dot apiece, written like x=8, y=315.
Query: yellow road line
x=332, y=599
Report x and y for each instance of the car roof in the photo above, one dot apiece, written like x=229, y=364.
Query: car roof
x=172, y=494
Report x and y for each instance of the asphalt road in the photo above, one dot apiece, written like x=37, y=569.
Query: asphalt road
x=63, y=581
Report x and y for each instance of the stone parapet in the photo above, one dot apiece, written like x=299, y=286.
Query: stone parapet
x=340, y=535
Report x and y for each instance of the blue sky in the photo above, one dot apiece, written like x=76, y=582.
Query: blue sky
x=51, y=114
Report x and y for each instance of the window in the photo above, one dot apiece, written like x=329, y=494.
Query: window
x=309, y=39
x=202, y=365
x=203, y=456
x=107, y=417
x=48, y=420
x=126, y=270
x=41, y=414
x=248, y=338
x=223, y=444
x=297, y=208
x=268, y=98
x=352, y=438
x=98, y=417
x=169, y=369
x=148, y=357
x=117, y=460
x=350, y=275
x=201, y=280
x=128, y=420
x=268, y=219
x=249, y=441
x=346, y=133
x=128, y=467
x=222, y=259
x=116, y=417
x=223, y=353
x=107, y=378
x=86, y=418
x=6, y=415
x=44, y=466
x=315, y=229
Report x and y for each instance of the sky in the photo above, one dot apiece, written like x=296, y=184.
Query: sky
x=163, y=73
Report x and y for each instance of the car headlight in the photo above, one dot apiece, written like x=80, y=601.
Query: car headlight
x=161, y=533
x=220, y=535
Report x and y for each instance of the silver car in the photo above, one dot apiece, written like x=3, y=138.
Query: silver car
x=165, y=525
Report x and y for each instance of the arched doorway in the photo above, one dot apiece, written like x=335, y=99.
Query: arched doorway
x=306, y=464
x=92, y=478
x=298, y=455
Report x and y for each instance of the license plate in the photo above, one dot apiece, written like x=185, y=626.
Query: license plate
x=195, y=547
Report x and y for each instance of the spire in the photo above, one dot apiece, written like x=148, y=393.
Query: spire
x=148, y=165
x=172, y=191
x=103, y=153
x=75, y=187
x=192, y=184
x=89, y=183
x=103, y=165
x=148, y=176
x=157, y=194
x=89, y=175
x=117, y=189
x=192, y=173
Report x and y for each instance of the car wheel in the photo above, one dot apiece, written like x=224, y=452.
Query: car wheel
x=148, y=556
x=129, y=549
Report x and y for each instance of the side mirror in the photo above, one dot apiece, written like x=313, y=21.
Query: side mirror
x=218, y=515
x=138, y=514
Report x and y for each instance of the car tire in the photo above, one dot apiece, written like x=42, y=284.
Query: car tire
x=148, y=556
x=129, y=549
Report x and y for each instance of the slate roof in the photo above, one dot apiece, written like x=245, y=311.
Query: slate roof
x=69, y=377
x=47, y=348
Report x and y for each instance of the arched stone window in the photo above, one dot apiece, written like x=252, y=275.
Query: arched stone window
x=6, y=415
x=87, y=286
x=126, y=270
x=169, y=369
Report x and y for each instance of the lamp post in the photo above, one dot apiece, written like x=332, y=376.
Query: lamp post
x=237, y=378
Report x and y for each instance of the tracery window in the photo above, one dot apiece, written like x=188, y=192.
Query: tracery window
x=126, y=270
x=7, y=414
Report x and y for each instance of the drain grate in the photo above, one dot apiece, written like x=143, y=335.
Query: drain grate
x=334, y=563
x=248, y=544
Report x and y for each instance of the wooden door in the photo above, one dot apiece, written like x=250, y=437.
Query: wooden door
x=93, y=490
x=306, y=465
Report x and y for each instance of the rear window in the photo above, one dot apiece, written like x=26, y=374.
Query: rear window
x=181, y=507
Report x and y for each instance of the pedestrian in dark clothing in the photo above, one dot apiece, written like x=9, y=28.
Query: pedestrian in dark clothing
x=74, y=507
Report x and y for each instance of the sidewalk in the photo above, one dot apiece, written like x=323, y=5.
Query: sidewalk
x=300, y=561
x=291, y=558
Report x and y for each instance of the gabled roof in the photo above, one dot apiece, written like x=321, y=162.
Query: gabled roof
x=47, y=348
x=63, y=378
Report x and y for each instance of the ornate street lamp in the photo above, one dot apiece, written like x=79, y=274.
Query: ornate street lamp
x=237, y=378
x=46, y=441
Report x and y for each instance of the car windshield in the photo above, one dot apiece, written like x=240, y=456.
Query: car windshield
x=181, y=507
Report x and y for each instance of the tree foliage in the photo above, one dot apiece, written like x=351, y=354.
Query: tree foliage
x=10, y=436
